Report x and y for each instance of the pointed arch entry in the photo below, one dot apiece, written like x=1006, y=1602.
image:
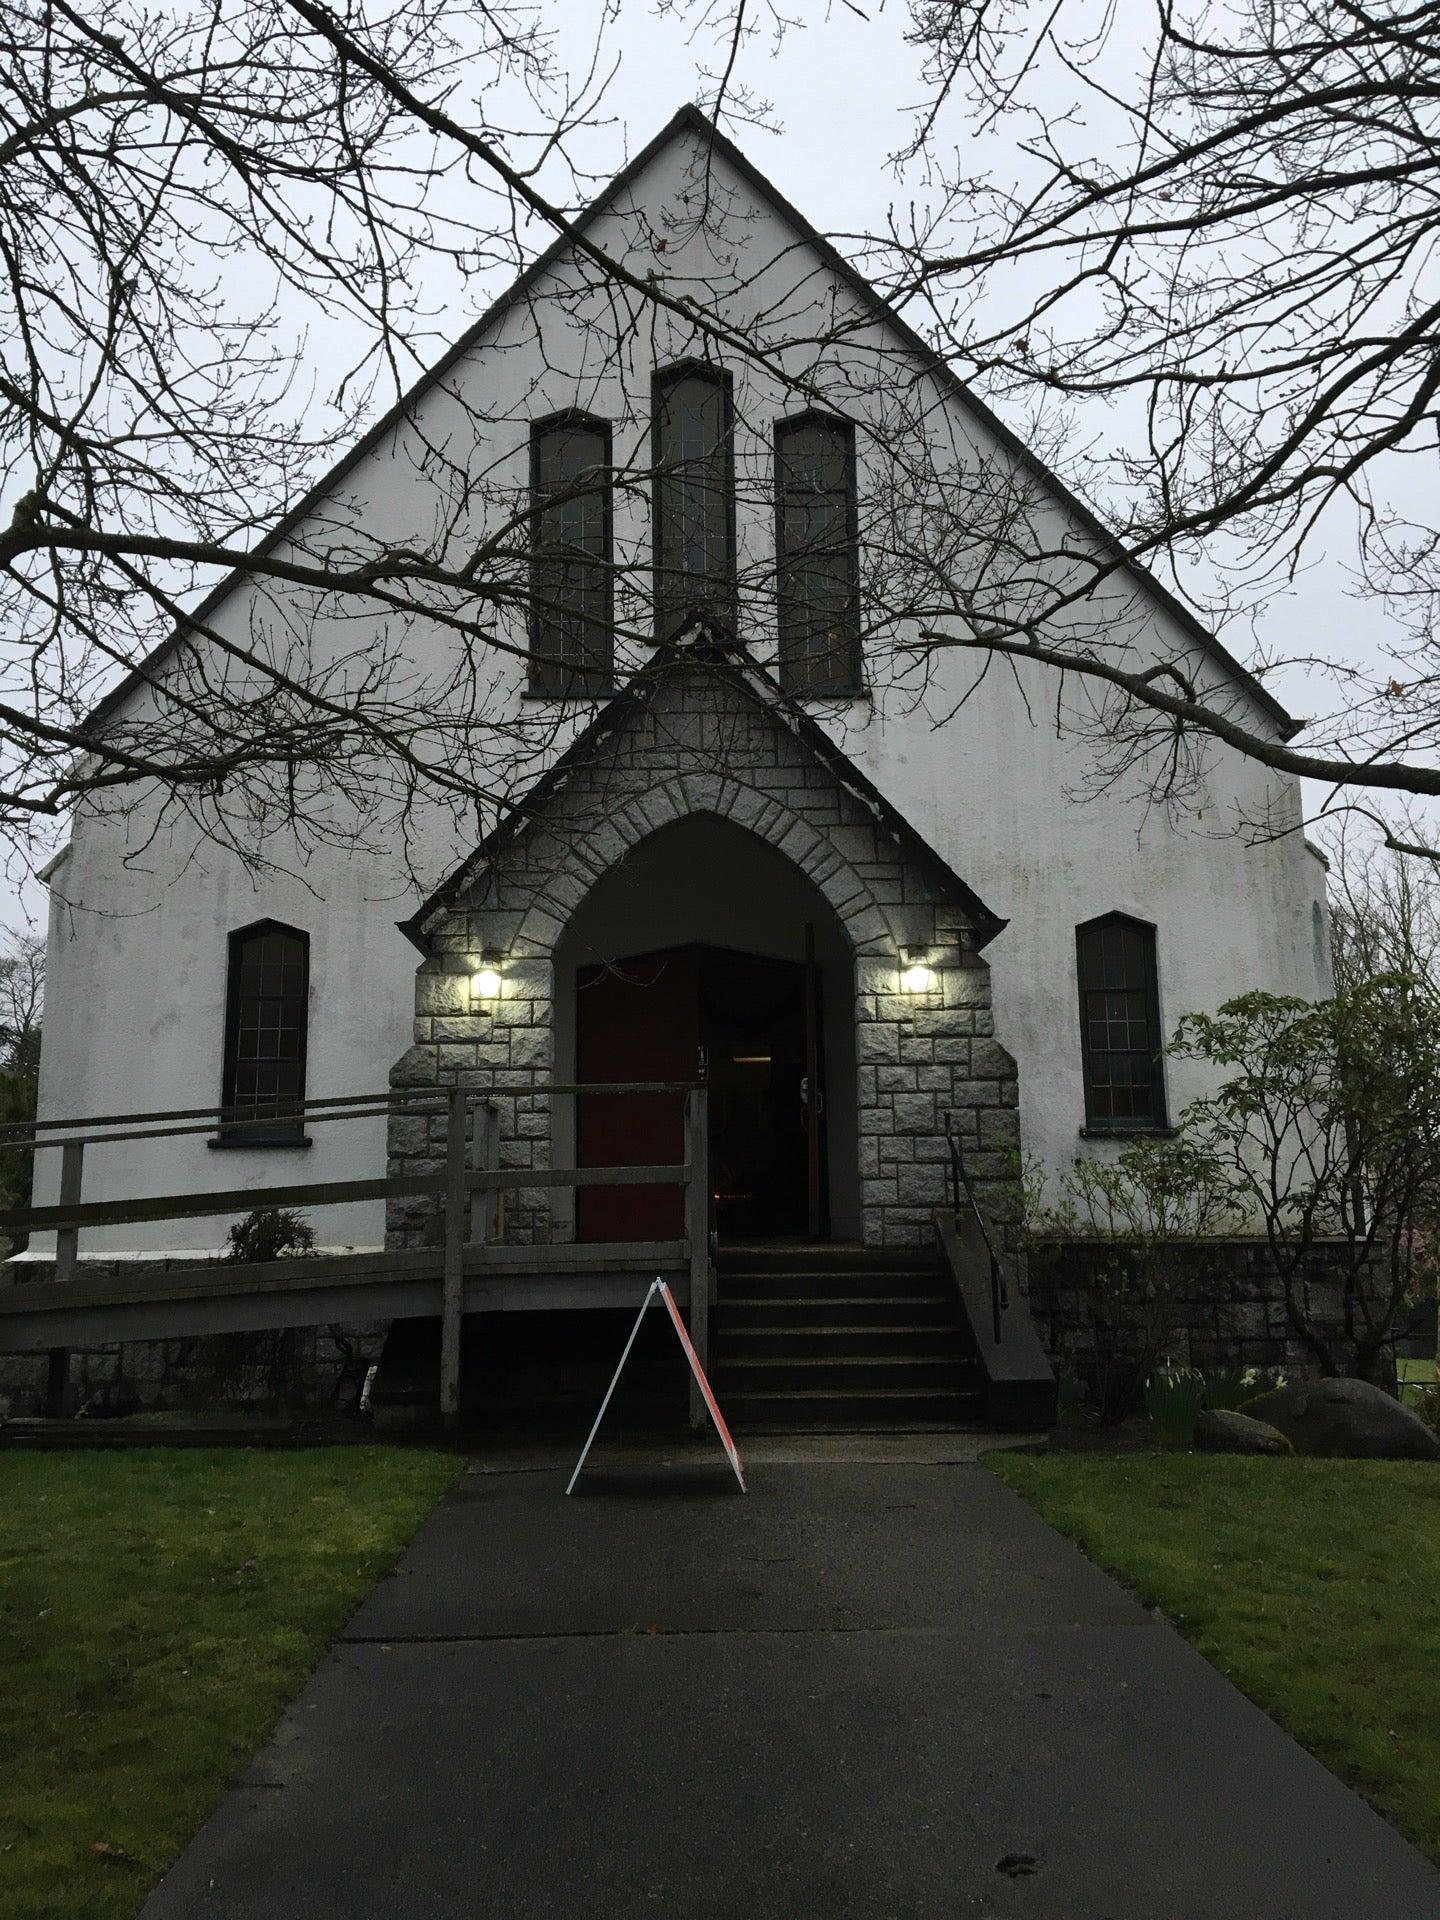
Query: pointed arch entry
x=691, y=954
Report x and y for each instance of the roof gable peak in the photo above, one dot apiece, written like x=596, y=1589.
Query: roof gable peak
x=690, y=119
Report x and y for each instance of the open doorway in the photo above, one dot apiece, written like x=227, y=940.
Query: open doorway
x=753, y=1021
x=699, y=938
x=752, y=1024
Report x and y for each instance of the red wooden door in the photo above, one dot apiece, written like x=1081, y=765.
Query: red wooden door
x=635, y=1019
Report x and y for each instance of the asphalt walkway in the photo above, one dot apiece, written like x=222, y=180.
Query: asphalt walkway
x=871, y=1688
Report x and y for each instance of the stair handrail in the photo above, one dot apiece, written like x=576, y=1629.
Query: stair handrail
x=960, y=1181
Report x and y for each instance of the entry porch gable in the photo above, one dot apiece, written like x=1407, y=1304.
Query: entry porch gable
x=780, y=833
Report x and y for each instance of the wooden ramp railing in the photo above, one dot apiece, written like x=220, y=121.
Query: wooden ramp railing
x=471, y=1270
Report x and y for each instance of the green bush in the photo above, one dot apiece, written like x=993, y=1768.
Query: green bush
x=270, y=1233
x=1139, y=1216
x=17, y=1102
x=1173, y=1399
x=1325, y=1126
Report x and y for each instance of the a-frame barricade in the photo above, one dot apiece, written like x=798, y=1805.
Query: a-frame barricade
x=698, y=1372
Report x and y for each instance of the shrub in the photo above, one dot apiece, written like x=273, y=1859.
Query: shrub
x=17, y=1102
x=270, y=1233
x=1141, y=1212
x=255, y=1369
x=1173, y=1399
x=1326, y=1128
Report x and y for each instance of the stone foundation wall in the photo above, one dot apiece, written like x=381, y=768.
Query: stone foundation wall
x=304, y=1369
x=1229, y=1309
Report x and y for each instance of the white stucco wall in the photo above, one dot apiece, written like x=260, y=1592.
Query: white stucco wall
x=992, y=791
x=140, y=918
x=136, y=1024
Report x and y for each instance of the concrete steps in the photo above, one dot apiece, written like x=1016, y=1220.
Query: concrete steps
x=807, y=1342
x=839, y=1338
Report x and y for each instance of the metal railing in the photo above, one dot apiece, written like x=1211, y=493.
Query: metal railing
x=471, y=1195
x=960, y=1184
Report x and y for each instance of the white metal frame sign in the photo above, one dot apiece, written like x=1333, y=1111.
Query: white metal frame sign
x=658, y=1286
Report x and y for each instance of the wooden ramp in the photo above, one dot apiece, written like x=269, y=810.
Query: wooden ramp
x=37, y=1316
x=471, y=1270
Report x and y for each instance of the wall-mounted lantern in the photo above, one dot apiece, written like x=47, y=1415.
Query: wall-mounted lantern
x=916, y=973
x=487, y=981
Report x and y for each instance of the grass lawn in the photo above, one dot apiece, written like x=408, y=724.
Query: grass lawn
x=1313, y=1584
x=157, y=1610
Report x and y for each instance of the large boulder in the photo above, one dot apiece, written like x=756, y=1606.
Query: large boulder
x=1223, y=1432
x=1346, y=1418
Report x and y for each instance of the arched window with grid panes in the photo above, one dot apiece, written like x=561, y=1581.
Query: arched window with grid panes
x=267, y=1009
x=816, y=555
x=572, y=596
x=1120, y=1037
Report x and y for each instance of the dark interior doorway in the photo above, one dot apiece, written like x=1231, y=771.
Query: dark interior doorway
x=658, y=1016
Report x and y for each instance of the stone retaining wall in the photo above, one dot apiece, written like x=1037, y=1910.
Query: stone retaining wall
x=1229, y=1309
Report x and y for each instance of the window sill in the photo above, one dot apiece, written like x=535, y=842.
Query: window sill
x=1128, y=1132
x=260, y=1142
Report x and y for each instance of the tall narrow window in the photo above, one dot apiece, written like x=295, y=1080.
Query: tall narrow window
x=266, y=1016
x=1120, y=1024
x=572, y=637
x=816, y=555
x=694, y=498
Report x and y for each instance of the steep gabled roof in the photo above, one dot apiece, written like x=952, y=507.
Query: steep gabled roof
x=716, y=654
x=690, y=119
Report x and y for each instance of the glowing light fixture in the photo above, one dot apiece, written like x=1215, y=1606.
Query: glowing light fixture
x=487, y=981
x=916, y=974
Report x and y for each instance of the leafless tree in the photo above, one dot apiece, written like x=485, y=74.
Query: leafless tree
x=183, y=194
x=1384, y=909
x=22, y=1002
x=1223, y=227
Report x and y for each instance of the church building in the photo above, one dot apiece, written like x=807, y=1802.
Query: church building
x=758, y=829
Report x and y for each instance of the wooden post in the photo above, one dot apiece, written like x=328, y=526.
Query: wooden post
x=453, y=1283
x=67, y=1252
x=697, y=1232
x=67, y=1239
x=484, y=1201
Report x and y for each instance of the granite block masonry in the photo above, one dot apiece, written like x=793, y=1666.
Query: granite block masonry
x=700, y=743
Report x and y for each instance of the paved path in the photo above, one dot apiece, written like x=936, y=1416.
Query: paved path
x=865, y=1692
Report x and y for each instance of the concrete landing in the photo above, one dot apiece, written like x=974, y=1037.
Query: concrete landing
x=869, y=1689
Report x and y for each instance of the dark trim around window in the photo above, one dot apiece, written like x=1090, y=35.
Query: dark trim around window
x=267, y=1021
x=835, y=670
x=679, y=596
x=574, y=656
x=1121, y=1040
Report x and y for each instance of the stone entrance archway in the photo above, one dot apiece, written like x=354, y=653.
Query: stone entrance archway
x=699, y=744
x=705, y=888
